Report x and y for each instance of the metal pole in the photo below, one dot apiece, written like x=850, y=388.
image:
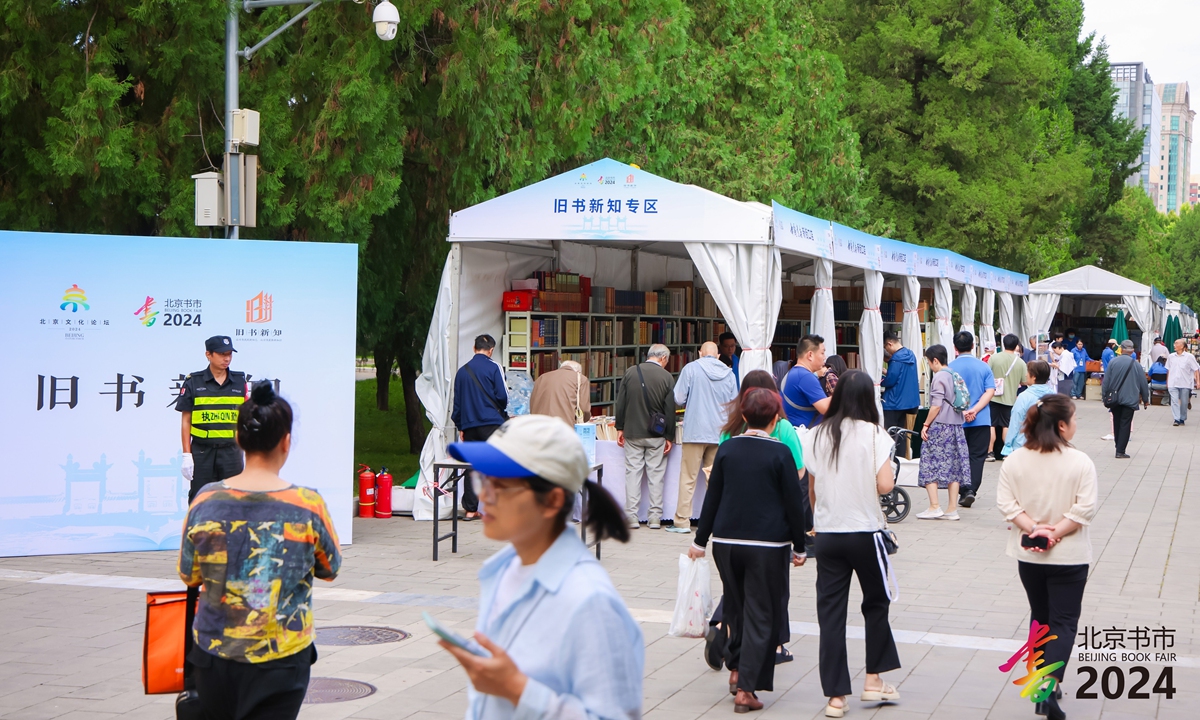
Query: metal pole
x=231, y=104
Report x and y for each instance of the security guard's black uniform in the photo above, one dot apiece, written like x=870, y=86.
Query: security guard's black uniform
x=214, y=409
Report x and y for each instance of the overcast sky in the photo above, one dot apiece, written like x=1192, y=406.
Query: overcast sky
x=1164, y=34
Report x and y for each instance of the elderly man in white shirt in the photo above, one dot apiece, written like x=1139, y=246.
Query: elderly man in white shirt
x=1063, y=363
x=1183, y=375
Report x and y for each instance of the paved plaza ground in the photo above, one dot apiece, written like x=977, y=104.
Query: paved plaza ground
x=72, y=625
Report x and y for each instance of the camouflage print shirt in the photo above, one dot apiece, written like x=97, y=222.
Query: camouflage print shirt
x=256, y=554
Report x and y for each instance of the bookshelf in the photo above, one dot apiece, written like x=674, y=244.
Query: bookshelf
x=605, y=344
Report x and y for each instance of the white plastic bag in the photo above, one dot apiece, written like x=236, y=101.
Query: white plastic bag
x=693, y=599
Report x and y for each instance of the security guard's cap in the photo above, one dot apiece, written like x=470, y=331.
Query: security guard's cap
x=219, y=344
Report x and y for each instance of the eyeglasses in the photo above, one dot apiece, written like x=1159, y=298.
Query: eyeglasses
x=487, y=490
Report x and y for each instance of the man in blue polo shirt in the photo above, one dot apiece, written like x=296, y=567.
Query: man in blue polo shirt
x=804, y=400
x=978, y=426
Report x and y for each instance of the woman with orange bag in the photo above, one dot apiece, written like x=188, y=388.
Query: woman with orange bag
x=255, y=542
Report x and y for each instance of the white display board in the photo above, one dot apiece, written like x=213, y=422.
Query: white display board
x=100, y=331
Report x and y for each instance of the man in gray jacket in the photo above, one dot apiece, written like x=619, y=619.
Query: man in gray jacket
x=1126, y=380
x=645, y=389
x=705, y=388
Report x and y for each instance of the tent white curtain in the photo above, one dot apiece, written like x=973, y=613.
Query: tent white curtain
x=941, y=314
x=1037, y=312
x=1141, y=308
x=435, y=384
x=910, y=328
x=966, y=309
x=822, y=304
x=1007, y=317
x=477, y=277
x=870, y=334
x=987, y=315
x=744, y=282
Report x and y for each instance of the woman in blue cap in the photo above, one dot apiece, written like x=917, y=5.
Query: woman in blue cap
x=562, y=643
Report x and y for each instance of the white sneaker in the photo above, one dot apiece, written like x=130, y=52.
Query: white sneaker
x=949, y=515
x=931, y=514
x=1109, y=436
x=654, y=524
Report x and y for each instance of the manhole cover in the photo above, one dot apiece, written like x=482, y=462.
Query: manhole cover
x=323, y=690
x=358, y=635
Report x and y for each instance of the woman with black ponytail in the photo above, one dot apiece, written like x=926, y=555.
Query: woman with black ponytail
x=1047, y=491
x=255, y=542
x=559, y=640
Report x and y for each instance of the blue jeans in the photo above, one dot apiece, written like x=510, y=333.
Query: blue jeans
x=1179, y=403
x=1080, y=380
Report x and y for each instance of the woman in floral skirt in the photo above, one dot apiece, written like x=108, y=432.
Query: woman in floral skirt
x=945, y=462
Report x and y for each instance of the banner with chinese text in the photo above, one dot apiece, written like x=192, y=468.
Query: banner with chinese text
x=100, y=332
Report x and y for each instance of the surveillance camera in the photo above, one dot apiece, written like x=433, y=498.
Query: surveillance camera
x=386, y=18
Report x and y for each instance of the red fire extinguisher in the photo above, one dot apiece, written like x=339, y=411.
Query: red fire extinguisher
x=383, y=494
x=366, y=492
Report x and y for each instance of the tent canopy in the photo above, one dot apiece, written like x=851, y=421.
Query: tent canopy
x=1090, y=280
x=613, y=204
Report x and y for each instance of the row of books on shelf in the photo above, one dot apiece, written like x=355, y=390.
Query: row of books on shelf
x=601, y=363
x=570, y=292
x=572, y=332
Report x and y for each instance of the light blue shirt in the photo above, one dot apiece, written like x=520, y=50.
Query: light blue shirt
x=1015, y=438
x=705, y=387
x=569, y=632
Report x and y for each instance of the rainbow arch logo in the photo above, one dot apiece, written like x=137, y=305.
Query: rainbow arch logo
x=75, y=297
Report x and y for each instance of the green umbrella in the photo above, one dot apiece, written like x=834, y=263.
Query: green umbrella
x=1119, y=333
x=1173, y=332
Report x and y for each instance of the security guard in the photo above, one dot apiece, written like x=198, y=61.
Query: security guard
x=209, y=401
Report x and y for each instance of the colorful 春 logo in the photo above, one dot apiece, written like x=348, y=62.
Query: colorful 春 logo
x=75, y=297
x=259, y=308
x=1037, y=684
x=146, y=312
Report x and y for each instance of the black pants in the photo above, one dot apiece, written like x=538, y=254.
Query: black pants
x=898, y=418
x=978, y=440
x=1001, y=415
x=1122, y=426
x=1055, y=595
x=213, y=464
x=840, y=555
x=271, y=690
x=470, y=503
x=753, y=578
x=785, y=630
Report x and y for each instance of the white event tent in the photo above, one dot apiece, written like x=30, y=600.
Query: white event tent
x=631, y=230
x=1093, y=288
x=1186, y=315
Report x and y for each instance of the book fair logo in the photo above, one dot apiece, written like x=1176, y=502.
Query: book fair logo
x=1142, y=645
x=259, y=308
x=76, y=298
x=177, y=312
x=146, y=313
x=1037, y=683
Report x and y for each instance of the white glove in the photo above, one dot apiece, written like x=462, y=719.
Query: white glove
x=188, y=467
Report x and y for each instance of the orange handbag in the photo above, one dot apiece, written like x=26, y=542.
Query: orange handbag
x=162, y=649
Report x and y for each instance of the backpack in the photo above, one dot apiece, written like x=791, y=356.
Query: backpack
x=962, y=396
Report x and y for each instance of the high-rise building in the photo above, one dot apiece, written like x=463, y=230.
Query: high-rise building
x=1137, y=100
x=1175, y=149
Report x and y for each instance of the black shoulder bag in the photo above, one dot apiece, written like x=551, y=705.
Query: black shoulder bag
x=502, y=410
x=658, y=421
x=1110, y=397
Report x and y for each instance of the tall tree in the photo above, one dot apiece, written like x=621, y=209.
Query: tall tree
x=752, y=110
x=499, y=97
x=963, y=144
